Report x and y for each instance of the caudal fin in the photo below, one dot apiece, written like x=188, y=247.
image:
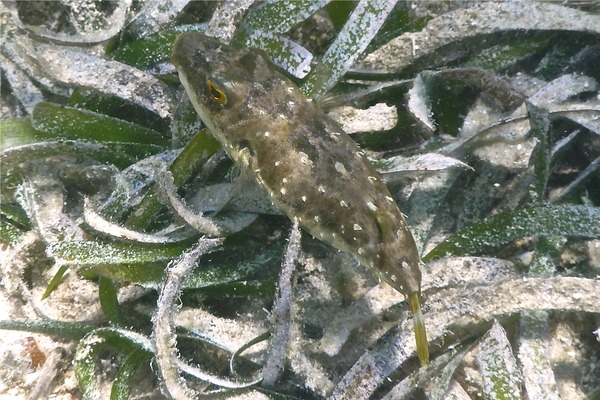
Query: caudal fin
x=419, y=328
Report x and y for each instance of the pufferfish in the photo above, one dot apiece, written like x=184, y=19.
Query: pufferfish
x=312, y=170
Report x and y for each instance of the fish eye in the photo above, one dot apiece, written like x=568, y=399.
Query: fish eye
x=216, y=93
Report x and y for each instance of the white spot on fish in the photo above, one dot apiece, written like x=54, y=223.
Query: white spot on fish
x=357, y=227
x=284, y=180
x=317, y=219
x=277, y=163
x=371, y=206
x=321, y=188
x=393, y=278
x=339, y=167
x=304, y=198
x=343, y=203
x=373, y=178
x=361, y=251
x=283, y=191
x=281, y=116
x=390, y=199
x=267, y=133
x=290, y=89
x=291, y=104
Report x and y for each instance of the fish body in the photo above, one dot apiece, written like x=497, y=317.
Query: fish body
x=312, y=170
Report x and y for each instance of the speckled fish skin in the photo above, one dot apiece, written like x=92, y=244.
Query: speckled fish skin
x=312, y=170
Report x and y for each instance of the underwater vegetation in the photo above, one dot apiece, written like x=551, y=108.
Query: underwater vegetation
x=138, y=262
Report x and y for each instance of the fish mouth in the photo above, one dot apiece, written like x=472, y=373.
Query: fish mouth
x=191, y=48
x=184, y=46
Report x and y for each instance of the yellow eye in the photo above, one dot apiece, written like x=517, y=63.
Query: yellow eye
x=216, y=93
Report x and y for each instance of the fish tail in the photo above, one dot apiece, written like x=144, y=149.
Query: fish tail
x=419, y=328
